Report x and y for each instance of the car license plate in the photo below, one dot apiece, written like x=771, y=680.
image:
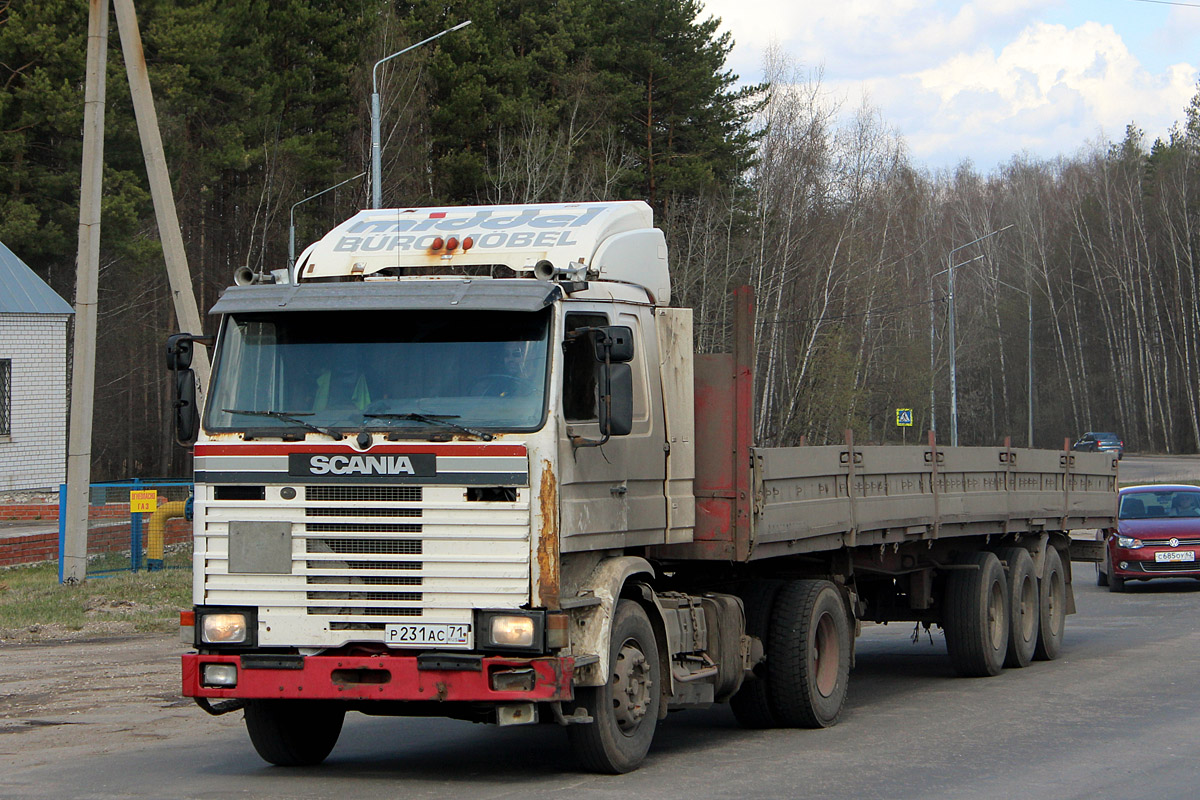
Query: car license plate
x=1175, y=555
x=429, y=634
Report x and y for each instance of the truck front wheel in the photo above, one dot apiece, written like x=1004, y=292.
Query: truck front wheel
x=809, y=648
x=975, y=616
x=625, y=709
x=294, y=733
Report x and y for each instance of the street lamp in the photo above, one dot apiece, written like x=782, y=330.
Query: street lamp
x=376, y=169
x=292, y=217
x=932, y=357
x=950, y=310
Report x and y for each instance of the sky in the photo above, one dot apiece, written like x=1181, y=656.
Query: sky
x=984, y=80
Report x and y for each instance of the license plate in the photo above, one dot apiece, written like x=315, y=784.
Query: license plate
x=430, y=634
x=1175, y=555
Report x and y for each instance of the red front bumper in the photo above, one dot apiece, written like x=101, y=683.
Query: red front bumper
x=388, y=677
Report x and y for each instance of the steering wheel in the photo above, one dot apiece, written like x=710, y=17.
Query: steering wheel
x=497, y=385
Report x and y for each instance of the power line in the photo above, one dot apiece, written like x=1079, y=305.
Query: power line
x=1168, y=3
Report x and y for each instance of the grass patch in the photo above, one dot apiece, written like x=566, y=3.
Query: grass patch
x=32, y=600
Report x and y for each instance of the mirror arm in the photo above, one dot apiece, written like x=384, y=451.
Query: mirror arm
x=606, y=401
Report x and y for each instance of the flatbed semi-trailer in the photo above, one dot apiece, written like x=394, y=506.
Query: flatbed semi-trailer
x=464, y=462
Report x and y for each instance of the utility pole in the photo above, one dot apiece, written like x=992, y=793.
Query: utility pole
x=87, y=269
x=180, y=277
x=83, y=380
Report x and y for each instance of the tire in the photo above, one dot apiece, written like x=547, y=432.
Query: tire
x=1116, y=583
x=1023, y=607
x=1101, y=576
x=975, y=617
x=752, y=705
x=1052, y=596
x=809, y=648
x=624, y=710
x=294, y=733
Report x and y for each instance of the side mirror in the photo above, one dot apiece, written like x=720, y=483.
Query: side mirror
x=614, y=340
x=187, y=416
x=179, y=351
x=616, y=410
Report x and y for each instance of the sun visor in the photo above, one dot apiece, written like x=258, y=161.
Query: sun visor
x=450, y=295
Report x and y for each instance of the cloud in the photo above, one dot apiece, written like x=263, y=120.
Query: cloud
x=978, y=80
x=1050, y=82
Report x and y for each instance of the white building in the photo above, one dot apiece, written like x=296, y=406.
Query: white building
x=33, y=379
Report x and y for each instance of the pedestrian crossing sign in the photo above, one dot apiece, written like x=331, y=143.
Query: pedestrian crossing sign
x=904, y=417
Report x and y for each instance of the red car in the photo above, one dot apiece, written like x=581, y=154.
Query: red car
x=1158, y=536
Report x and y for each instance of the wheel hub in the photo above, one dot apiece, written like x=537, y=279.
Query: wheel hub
x=631, y=687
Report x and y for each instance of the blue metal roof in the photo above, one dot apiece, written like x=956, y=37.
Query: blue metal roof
x=23, y=292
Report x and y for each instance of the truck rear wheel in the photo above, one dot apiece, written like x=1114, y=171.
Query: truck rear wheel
x=625, y=709
x=294, y=733
x=751, y=705
x=809, y=648
x=1024, y=608
x=1052, y=594
x=975, y=617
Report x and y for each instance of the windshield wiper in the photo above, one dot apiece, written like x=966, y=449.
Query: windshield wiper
x=288, y=416
x=434, y=419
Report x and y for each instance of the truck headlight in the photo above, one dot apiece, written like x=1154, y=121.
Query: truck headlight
x=223, y=629
x=511, y=629
x=226, y=626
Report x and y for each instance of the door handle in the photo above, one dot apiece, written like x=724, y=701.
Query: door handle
x=619, y=490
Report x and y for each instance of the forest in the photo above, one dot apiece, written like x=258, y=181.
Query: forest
x=1088, y=262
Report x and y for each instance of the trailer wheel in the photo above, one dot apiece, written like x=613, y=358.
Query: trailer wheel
x=1052, y=594
x=809, y=645
x=751, y=705
x=294, y=733
x=624, y=710
x=1023, y=606
x=976, y=616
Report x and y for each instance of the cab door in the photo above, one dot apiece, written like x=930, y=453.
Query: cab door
x=611, y=496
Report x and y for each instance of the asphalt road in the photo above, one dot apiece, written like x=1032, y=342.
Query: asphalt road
x=1115, y=717
x=1158, y=469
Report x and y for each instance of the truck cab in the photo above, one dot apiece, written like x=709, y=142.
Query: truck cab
x=418, y=447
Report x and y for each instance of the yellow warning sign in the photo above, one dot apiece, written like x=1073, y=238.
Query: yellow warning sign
x=143, y=501
x=904, y=417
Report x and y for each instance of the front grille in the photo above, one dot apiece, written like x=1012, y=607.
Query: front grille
x=362, y=527
x=362, y=512
x=374, y=547
x=1169, y=566
x=364, y=494
x=364, y=557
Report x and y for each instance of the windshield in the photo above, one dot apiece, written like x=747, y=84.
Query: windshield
x=1144, y=505
x=405, y=371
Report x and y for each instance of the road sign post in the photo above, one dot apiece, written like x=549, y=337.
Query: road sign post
x=904, y=421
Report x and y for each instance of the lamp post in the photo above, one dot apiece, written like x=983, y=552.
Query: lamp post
x=932, y=359
x=953, y=345
x=376, y=169
x=292, y=217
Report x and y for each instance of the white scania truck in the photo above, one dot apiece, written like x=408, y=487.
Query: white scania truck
x=463, y=462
